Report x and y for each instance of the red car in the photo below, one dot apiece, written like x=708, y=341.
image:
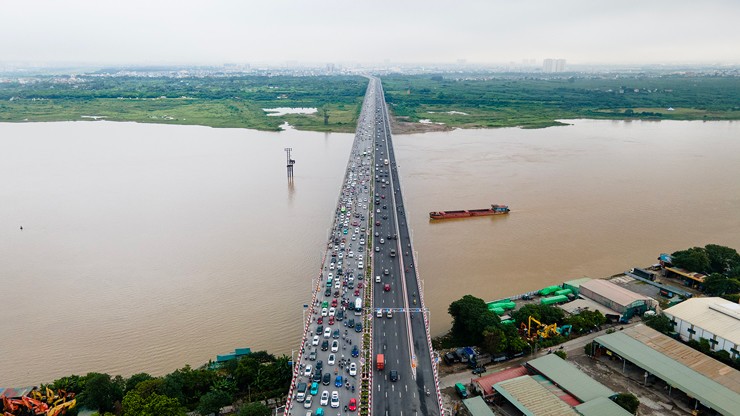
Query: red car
x=331, y=320
x=352, y=406
x=320, y=320
x=377, y=223
x=359, y=285
x=387, y=287
x=357, y=292
x=334, y=302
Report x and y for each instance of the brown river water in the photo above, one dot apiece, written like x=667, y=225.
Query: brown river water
x=147, y=247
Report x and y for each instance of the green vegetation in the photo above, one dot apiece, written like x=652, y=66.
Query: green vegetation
x=507, y=101
x=252, y=378
x=660, y=323
x=472, y=101
x=628, y=402
x=208, y=101
x=720, y=263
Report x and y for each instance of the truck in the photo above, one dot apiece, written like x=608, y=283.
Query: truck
x=301, y=392
x=380, y=361
x=461, y=390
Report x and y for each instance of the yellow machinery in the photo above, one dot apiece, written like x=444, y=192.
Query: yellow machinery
x=541, y=330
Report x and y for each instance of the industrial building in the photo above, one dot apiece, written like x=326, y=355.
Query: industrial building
x=715, y=319
x=477, y=407
x=575, y=285
x=704, y=381
x=569, y=378
x=624, y=301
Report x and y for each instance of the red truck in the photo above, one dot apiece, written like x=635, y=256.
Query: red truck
x=380, y=361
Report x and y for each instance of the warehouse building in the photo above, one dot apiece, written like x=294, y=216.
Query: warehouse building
x=715, y=319
x=704, y=380
x=617, y=298
x=575, y=284
x=569, y=378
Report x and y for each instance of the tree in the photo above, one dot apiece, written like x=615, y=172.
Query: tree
x=100, y=392
x=212, y=401
x=543, y=313
x=153, y=405
x=135, y=379
x=494, y=340
x=561, y=353
x=147, y=387
x=470, y=317
x=254, y=409
x=694, y=259
x=628, y=402
x=660, y=323
x=721, y=259
x=717, y=284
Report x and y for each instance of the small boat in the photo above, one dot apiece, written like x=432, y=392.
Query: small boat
x=494, y=210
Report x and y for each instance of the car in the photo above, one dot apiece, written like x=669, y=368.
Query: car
x=352, y=406
x=389, y=313
x=334, y=302
x=331, y=320
x=324, y=312
x=319, y=365
x=312, y=355
x=307, y=370
x=341, y=255
x=320, y=320
x=340, y=315
x=359, y=285
x=479, y=370
x=357, y=292
x=314, y=388
x=319, y=412
x=353, y=369
x=377, y=234
x=324, y=398
x=327, y=292
x=377, y=279
x=355, y=351
x=394, y=375
x=326, y=379
x=332, y=359
x=377, y=223
x=358, y=327
x=334, y=399
x=335, y=334
x=377, y=249
x=387, y=287
x=351, y=254
x=335, y=344
x=325, y=304
x=315, y=340
x=382, y=241
x=331, y=266
x=337, y=285
x=386, y=272
x=379, y=313
x=327, y=332
x=325, y=345
x=351, y=323
x=307, y=403
x=332, y=311
x=338, y=382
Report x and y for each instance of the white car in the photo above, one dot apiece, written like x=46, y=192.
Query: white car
x=307, y=370
x=341, y=255
x=353, y=369
x=315, y=340
x=337, y=285
x=362, y=241
x=351, y=254
x=381, y=242
x=359, y=265
x=332, y=311
x=379, y=313
x=324, y=398
x=331, y=266
x=324, y=312
x=335, y=346
x=327, y=333
x=360, y=257
x=331, y=276
x=335, y=399
x=332, y=359
x=377, y=279
x=307, y=402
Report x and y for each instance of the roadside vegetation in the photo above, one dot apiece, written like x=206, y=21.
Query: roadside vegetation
x=208, y=101
x=247, y=381
x=478, y=101
x=445, y=100
x=720, y=264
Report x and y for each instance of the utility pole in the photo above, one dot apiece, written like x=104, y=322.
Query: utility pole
x=290, y=163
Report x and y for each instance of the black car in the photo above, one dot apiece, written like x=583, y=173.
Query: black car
x=358, y=327
x=319, y=366
x=351, y=323
x=479, y=370
x=340, y=315
x=320, y=329
x=325, y=345
x=394, y=375
x=355, y=351
x=326, y=380
x=316, y=377
x=335, y=334
x=327, y=293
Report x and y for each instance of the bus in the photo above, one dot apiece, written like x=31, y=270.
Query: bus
x=358, y=306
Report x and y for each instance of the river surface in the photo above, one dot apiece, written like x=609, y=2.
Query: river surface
x=147, y=247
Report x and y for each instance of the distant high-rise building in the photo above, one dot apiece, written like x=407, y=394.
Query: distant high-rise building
x=330, y=67
x=553, y=65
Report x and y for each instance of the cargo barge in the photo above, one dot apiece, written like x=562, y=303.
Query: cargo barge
x=494, y=210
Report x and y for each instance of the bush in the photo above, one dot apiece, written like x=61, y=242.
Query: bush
x=562, y=354
x=628, y=402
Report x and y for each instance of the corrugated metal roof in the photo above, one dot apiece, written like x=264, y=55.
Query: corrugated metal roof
x=554, y=389
x=486, y=382
x=716, y=315
x=615, y=293
x=601, y=406
x=532, y=399
x=11, y=392
x=569, y=378
x=478, y=407
x=695, y=360
x=580, y=305
x=709, y=392
x=577, y=282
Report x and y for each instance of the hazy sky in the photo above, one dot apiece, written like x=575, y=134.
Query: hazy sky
x=480, y=31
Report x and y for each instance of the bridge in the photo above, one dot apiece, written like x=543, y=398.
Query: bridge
x=368, y=270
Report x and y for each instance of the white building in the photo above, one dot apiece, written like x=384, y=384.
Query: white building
x=716, y=319
x=553, y=65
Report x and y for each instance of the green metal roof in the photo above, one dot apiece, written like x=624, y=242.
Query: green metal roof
x=478, y=407
x=707, y=391
x=569, y=378
x=601, y=406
